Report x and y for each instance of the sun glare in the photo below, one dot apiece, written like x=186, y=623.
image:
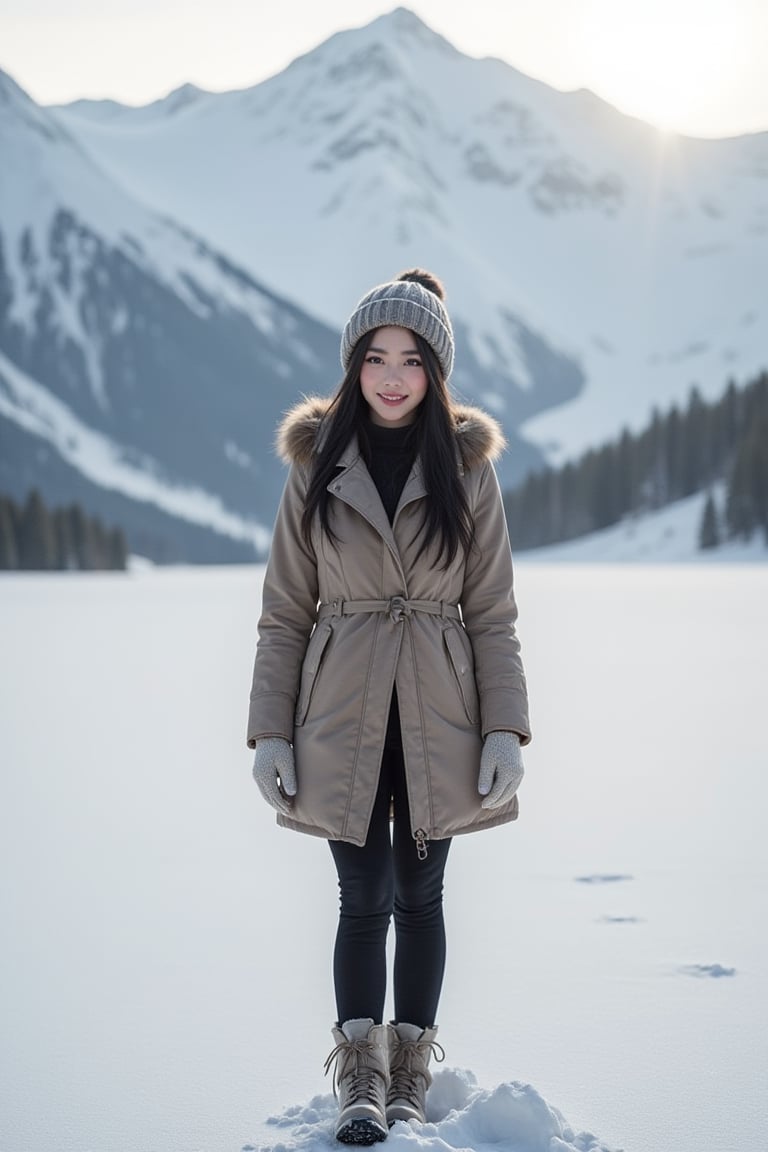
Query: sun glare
x=663, y=61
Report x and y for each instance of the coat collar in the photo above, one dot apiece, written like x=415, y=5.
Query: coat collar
x=301, y=432
x=353, y=484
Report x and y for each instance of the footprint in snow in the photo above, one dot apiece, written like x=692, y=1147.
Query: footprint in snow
x=713, y=971
x=604, y=878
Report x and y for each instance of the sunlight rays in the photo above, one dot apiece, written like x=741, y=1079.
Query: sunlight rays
x=667, y=60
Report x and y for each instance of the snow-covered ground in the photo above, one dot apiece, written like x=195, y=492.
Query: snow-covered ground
x=165, y=974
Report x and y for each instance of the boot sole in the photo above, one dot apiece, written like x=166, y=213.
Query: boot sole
x=361, y=1132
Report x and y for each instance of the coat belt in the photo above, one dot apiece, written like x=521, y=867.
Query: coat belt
x=396, y=607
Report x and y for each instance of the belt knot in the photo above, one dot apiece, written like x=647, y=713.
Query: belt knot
x=398, y=607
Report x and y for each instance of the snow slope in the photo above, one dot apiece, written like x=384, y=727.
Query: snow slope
x=165, y=976
x=141, y=372
x=25, y=402
x=669, y=535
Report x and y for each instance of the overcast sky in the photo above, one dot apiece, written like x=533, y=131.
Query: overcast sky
x=695, y=66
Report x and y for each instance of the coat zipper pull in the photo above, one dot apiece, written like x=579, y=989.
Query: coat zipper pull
x=420, y=837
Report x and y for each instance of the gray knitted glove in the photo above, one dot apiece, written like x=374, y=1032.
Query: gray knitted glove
x=275, y=772
x=501, y=765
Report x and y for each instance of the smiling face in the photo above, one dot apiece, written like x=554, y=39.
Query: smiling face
x=392, y=378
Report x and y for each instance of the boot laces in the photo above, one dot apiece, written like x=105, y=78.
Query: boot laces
x=351, y=1067
x=409, y=1066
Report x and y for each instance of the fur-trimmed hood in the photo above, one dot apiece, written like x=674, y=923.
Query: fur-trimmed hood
x=478, y=436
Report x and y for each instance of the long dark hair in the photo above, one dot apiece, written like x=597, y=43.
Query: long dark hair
x=447, y=518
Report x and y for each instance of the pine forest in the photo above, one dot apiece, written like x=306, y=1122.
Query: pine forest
x=720, y=447
x=34, y=537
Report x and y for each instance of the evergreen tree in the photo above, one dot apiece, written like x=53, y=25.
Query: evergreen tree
x=97, y=551
x=34, y=538
x=654, y=464
x=117, y=550
x=65, y=545
x=738, y=510
x=677, y=454
x=747, y=497
x=628, y=494
x=697, y=465
x=9, y=550
x=730, y=411
x=81, y=537
x=37, y=541
x=709, y=529
x=673, y=455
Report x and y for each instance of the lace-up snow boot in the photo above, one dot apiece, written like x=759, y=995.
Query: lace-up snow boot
x=361, y=1080
x=410, y=1048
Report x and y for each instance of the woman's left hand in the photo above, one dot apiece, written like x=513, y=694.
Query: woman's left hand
x=274, y=771
x=501, y=768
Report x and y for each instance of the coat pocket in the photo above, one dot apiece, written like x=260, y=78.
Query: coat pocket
x=463, y=665
x=310, y=668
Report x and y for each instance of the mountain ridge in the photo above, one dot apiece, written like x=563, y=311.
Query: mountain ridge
x=552, y=207
x=208, y=244
x=141, y=371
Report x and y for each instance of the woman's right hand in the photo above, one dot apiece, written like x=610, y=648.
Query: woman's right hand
x=274, y=771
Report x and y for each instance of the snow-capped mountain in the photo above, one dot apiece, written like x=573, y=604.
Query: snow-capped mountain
x=173, y=276
x=141, y=372
x=594, y=265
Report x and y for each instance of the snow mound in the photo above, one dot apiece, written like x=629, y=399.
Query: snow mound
x=512, y=1117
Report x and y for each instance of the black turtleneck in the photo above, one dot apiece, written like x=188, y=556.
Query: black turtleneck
x=392, y=454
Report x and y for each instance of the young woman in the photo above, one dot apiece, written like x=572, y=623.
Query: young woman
x=389, y=704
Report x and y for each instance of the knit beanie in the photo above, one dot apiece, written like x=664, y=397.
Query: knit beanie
x=414, y=300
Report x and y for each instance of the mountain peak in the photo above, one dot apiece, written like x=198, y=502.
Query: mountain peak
x=408, y=28
x=404, y=19
x=385, y=36
x=18, y=109
x=179, y=98
x=12, y=93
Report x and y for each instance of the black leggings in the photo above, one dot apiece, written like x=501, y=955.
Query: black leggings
x=383, y=878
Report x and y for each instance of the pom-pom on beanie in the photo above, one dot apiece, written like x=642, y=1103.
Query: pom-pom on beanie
x=414, y=300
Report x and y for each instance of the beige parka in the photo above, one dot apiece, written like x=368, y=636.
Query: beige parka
x=343, y=621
